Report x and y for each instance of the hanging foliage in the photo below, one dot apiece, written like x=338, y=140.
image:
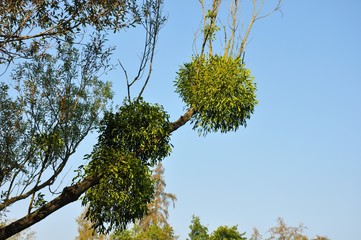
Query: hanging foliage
x=123, y=192
x=130, y=141
x=139, y=128
x=217, y=86
x=220, y=89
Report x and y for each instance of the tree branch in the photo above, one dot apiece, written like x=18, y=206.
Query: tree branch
x=69, y=194
x=183, y=119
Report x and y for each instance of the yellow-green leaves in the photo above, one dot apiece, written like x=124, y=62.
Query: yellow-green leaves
x=123, y=193
x=130, y=140
x=221, y=90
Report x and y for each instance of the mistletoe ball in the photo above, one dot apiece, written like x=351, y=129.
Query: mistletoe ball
x=220, y=89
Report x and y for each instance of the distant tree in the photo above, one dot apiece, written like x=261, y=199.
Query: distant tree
x=320, y=238
x=227, y=233
x=155, y=232
x=86, y=230
x=200, y=232
x=123, y=235
x=256, y=235
x=158, y=208
x=284, y=232
x=197, y=230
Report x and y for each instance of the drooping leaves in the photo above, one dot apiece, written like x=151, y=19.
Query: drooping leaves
x=138, y=128
x=130, y=141
x=123, y=192
x=28, y=27
x=221, y=90
x=55, y=108
x=11, y=133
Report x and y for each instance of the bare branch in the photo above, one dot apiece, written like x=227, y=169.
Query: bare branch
x=275, y=9
x=126, y=78
x=152, y=23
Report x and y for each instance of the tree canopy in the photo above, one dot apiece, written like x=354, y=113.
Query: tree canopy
x=281, y=231
x=29, y=28
x=55, y=96
x=197, y=230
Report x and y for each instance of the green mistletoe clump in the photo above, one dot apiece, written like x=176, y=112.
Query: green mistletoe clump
x=220, y=89
x=131, y=141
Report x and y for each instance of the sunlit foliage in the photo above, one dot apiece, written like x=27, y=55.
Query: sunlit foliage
x=130, y=141
x=221, y=90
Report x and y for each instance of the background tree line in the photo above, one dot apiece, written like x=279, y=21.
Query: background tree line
x=154, y=225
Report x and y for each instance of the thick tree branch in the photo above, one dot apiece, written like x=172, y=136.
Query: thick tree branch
x=183, y=119
x=36, y=188
x=69, y=194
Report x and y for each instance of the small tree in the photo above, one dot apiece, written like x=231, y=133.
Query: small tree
x=86, y=230
x=197, y=230
x=158, y=208
x=156, y=233
x=227, y=233
x=284, y=232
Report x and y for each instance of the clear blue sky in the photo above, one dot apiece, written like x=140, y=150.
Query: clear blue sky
x=299, y=157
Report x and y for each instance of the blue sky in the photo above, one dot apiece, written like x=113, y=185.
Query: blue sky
x=299, y=157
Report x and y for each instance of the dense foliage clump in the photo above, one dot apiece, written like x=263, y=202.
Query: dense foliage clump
x=139, y=128
x=220, y=89
x=130, y=141
x=122, y=194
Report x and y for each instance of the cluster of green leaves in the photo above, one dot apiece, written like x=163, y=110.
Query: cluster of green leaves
x=210, y=28
x=152, y=232
x=27, y=26
x=156, y=232
x=130, y=141
x=11, y=131
x=55, y=107
x=227, y=233
x=123, y=192
x=281, y=232
x=138, y=128
x=200, y=232
x=197, y=230
x=220, y=89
